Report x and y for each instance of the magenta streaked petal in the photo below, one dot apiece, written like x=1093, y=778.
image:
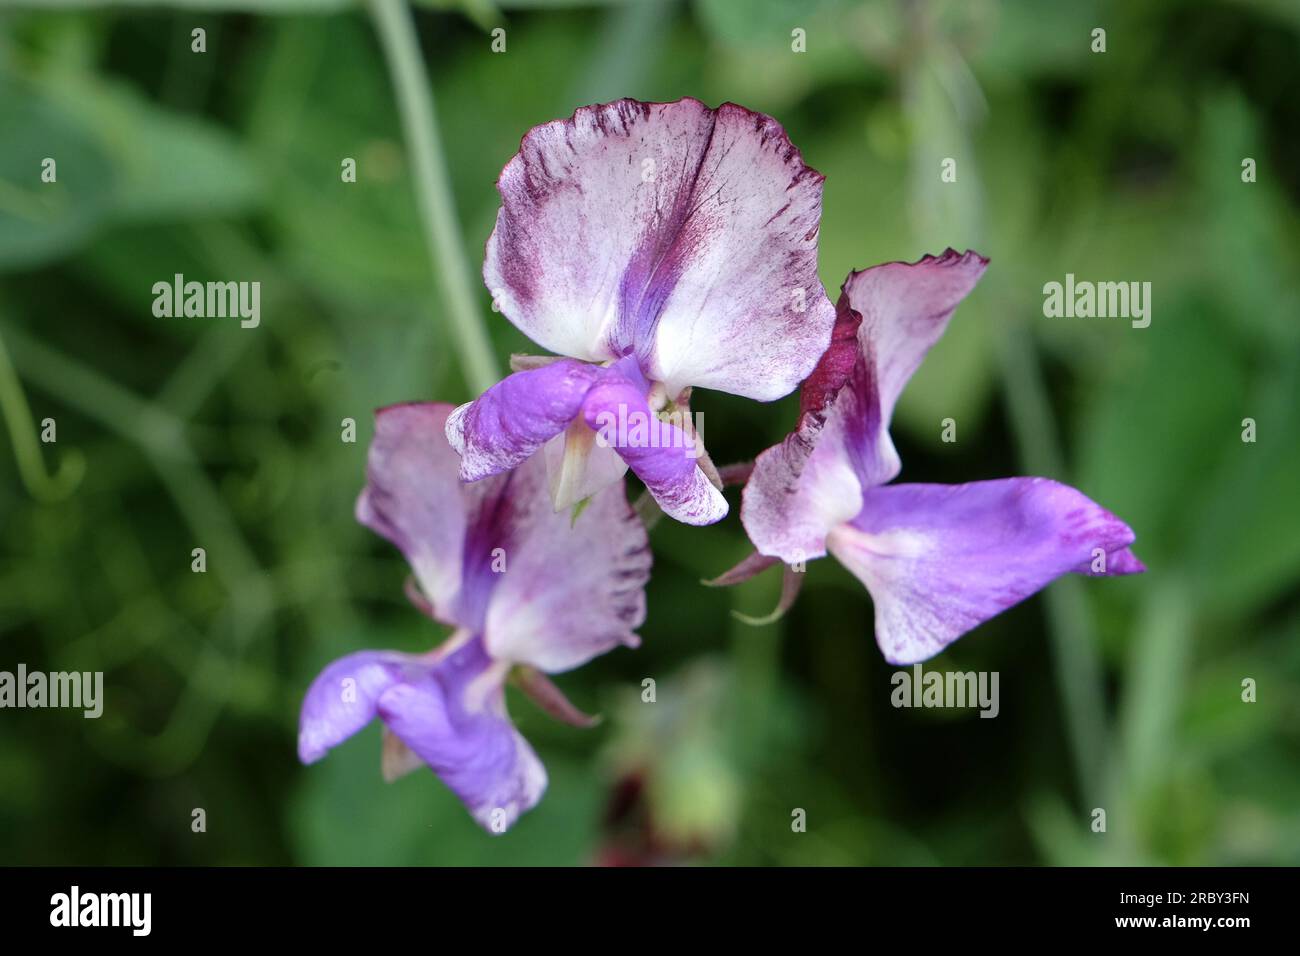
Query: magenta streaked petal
x=494, y=553
x=660, y=453
x=344, y=696
x=571, y=589
x=685, y=235
x=941, y=559
x=802, y=488
x=517, y=416
x=887, y=318
x=455, y=720
x=904, y=309
x=799, y=491
x=414, y=498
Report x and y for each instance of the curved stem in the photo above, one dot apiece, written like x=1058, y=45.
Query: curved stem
x=396, y=29
x=18, y=417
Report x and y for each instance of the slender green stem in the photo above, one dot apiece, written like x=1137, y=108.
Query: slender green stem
x=18, y=417
x=396, y=30
x=1149, y=728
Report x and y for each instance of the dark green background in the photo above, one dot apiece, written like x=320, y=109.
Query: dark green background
x=172, y=434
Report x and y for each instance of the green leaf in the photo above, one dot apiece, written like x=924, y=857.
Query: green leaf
x=119, y=159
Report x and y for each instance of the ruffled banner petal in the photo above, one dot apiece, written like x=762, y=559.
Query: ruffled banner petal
x=685, y=235
x=414, y=498
x=887, y=319
x=568, y=589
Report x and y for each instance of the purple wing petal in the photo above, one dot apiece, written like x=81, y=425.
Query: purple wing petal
x=570, y=589
x=455, y=720
x=517, y=416
x=662, y=455
x=414, y=499
x=941, y=559
x=343, y=698
x=683, y=234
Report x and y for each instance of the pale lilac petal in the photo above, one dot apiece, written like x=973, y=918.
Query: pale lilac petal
x=413, y=498
x=517, y=416
x=663, y=456
x=799, y=491
x=455, y=720
x=887, y=318
x=740, y=306
x=941, y=559
x=343, y=698
x=802, y=488
x=571, y=588
x=905, y=308
x=684, y=235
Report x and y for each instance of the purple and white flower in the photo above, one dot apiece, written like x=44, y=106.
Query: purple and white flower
x=521, y=584
x=937, y=559
x=653, y=247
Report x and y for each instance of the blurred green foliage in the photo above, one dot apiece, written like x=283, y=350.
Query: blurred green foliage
x=1123, y=694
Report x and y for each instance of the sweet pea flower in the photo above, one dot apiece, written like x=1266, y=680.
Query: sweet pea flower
x=938, y=560
x=523, y=586
x=653, y=247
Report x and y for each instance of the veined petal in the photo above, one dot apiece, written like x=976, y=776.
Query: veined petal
x=802, y=488
x=905, y=308
x=517, y=416
x=683, y=234
x=571, y=589
x=941, y=559
x=345, y=695
x=663, y=456
x=414, y=498
x=887, y=318
x=455, y=720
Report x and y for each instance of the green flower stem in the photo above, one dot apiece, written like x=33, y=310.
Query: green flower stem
x=396, y=29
